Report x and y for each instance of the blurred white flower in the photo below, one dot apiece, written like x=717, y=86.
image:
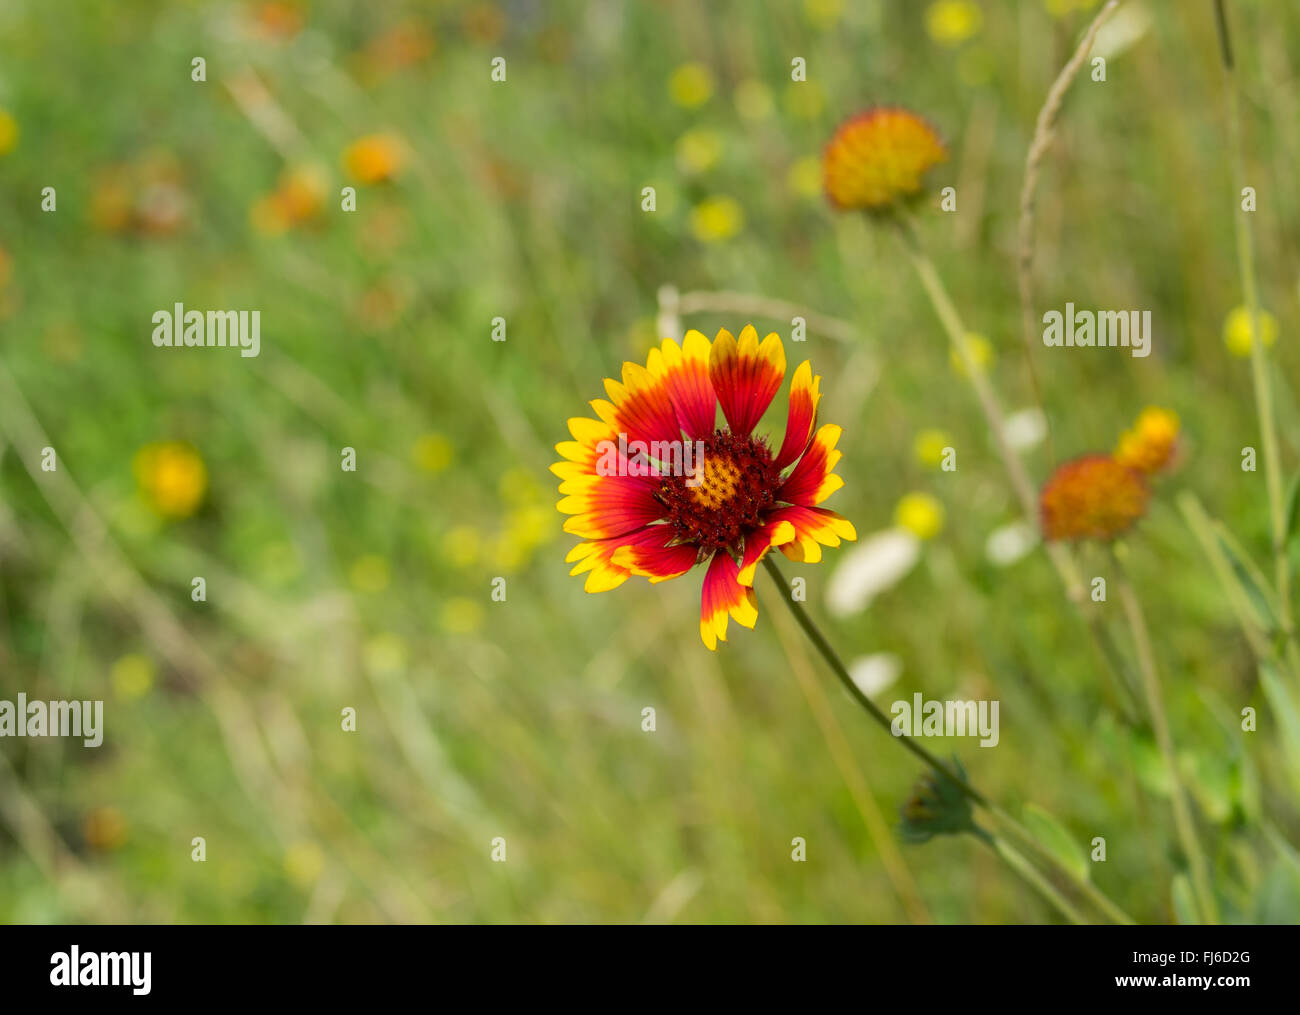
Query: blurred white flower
x=1008, y=544
x=1122, y=31
x=871, y=567
x=875, y=672
x=1026, y=428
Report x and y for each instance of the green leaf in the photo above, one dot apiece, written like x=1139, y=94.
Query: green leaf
x=1053, y=837
x=1284, y=710
x=1277, y=900
x=1149, y=763
x=1249, y=578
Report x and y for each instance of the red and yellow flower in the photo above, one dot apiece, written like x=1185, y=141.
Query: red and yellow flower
x=879, y=158
x=730, y=507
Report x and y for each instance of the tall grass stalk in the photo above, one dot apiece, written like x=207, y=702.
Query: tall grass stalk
x=1183, y=822
x=1259, y=363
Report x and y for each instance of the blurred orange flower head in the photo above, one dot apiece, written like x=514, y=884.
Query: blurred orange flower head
x=1092, y=497
x=878, y=158
x=375, y=158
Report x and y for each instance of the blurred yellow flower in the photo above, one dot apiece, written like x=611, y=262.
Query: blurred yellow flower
x=462, y=545
x=461, y=616
x=698, y=150
x=691, y=85
x=823, y=13
x=920, y=514
x=952, y=22
x=172, y=478
x=518, y=486
x=301, y=193
x=804, y=100
x=980, y=349
x=929, y=445
x=508, y=554
x=526, y=528
x=303, y=864
x=717, y=218
x=375, y=158
x=8, y=132
x=753, y=100
x=104, y=829
x=132, y=676
x=1237, y=330
x=878, y=158
x=805, y=177
x=530, y=526
x=431, y=452
x=1150, y=445
x=369, y=573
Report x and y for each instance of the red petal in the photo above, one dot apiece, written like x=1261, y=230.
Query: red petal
x=804, y=395
x=640, y=406
x=758, y=542
x=605, y=506
x=814, y=528
x=723, y=595
x=813, y=479
x=649, y=554
x=746, y=376
x=686, y=375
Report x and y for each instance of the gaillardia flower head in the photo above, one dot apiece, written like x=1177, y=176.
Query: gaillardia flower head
x=1152, y=443
x=1092, y=497
x=878, y=158
x=655, y=485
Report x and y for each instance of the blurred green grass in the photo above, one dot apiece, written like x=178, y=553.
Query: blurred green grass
x=371, y=589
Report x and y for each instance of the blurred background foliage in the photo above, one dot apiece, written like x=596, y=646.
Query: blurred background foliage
x=370, y=590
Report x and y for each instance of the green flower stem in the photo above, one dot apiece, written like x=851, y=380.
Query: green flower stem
x=1259, y=369
x=838, y=668
x=1090, y=891
x=1160, y=723
x=819, y=642
x=1017, y=862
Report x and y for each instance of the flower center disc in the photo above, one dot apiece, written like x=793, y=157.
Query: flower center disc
x=725, y=495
